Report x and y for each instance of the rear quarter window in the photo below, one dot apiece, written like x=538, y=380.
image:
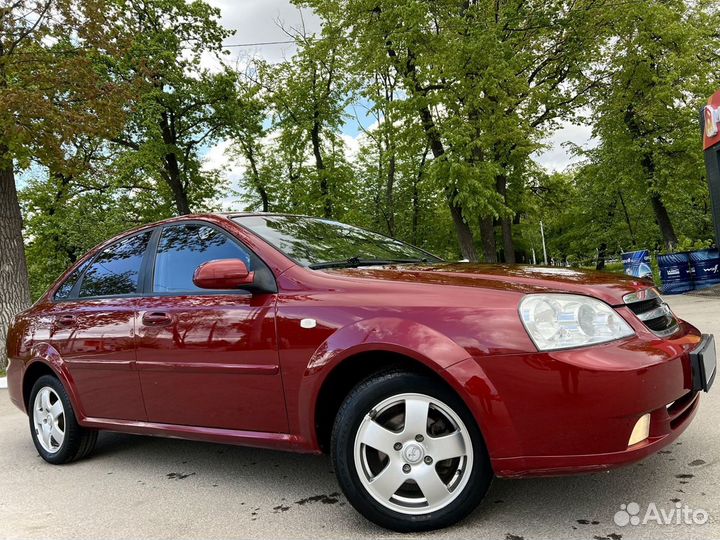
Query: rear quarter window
x=65, y=290
x=116, y=270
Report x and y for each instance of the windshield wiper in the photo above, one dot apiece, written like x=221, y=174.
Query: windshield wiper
x=355, y=262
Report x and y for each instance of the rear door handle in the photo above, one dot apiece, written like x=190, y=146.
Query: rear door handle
x=156, y=318
x=65, y=320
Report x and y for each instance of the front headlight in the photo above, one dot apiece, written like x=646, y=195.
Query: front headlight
x=561, y=321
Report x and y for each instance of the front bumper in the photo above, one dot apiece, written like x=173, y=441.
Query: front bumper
x=565, y=412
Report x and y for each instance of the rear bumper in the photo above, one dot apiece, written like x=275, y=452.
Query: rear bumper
x=573, y=411
x=14, y=379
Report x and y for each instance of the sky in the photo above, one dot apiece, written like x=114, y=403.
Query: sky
x=260, y=21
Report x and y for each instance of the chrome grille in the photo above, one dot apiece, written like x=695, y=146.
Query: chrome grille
x=652, y=310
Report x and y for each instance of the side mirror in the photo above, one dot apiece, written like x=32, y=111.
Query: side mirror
x=223, y=274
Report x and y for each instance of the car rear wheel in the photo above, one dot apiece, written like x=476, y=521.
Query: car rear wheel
x=57, y=436
x=408, y=453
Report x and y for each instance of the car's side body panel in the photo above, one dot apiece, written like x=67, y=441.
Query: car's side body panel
x=98, y=349
x=95, y=362
x=354, y=317
x=215, y=364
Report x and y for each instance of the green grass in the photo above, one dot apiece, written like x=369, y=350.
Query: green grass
x=2, y=372
x=615, y=268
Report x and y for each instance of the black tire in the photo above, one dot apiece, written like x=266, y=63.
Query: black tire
x=78, y=441
x=361, y=400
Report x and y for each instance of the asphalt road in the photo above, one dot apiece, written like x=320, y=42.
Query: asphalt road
x=142, y=487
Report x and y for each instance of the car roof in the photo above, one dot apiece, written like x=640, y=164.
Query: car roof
x=229, y=215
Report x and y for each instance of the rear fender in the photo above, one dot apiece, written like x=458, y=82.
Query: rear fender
x=48, y=355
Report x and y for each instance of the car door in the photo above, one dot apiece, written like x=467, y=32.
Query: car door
x=207, y=358
x=93, y=329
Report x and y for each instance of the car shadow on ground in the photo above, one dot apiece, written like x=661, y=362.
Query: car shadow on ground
x=289, y=483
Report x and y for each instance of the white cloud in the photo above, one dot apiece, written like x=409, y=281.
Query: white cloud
x=352, y=145
x=221, y=157
x=557, y=157
x=261, y=21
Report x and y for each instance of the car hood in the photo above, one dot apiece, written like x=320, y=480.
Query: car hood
x=518, y=278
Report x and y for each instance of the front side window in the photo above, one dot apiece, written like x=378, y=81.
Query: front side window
x=115, y=271
x=182, y=248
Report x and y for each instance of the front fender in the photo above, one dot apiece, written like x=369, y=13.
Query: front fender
x=406, y=337
x=382, y=334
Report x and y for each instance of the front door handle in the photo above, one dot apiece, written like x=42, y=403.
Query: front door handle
x=65, y=320
x=156, y=318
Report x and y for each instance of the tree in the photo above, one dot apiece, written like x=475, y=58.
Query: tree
x=179, y=107
x=51, y=88
x=647, y=109
x=248, y=132
x=306, y=98
x=484, y=80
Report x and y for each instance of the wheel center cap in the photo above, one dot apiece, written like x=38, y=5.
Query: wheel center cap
x=413, y=453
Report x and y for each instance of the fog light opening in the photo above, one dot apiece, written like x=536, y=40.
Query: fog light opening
x=641, y=431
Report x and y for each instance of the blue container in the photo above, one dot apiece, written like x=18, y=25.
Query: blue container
x=706, y=264
x=637, y=263
x=675, y=273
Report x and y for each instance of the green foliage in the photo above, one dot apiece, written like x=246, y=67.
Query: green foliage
x=179, y=106
x=643, y=186
x=462, y=95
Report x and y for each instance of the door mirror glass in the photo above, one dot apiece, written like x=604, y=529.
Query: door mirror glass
x=223, y=274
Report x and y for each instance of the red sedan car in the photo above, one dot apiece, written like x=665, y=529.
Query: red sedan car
x=422, y=378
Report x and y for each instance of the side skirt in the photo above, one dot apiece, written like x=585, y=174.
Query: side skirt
x=255, y=439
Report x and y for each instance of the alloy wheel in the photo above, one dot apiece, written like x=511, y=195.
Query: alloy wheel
x=49, y=419
x=413, y=453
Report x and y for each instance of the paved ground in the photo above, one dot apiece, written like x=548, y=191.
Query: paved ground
x=136, y=487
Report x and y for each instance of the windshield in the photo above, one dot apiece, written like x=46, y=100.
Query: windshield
x=321, y=243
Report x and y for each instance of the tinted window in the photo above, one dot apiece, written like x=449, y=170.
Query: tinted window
x=116, y=270
x=313, y=241
x=182, y=248
x=66, y=288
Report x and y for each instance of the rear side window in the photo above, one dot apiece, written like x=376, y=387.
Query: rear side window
x=115, y=271
x=66, y=288
x=182, y=248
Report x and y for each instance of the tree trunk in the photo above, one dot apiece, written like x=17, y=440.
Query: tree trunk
x=465, y=237
x=320, y=166
x=487, y=230
x=462, y=229
x=389, y=194
x=661, y=214
x=627, y=220
x=648, y=164
x=505, y=222
x=172, y=178
x=602, y=254
x=250, y=155
x=416, y=196
x=663, y=220
x=14, y=285
x=171, y=168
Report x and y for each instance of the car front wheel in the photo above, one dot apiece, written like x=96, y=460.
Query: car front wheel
x=408, y=453
x=57, y=436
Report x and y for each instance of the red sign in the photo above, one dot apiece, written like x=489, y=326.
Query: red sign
x=711, y=115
